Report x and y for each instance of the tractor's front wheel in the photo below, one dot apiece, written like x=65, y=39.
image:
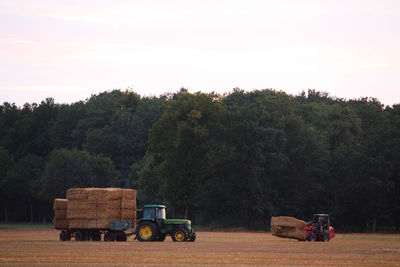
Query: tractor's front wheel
x=179, y=235
x=312, y=237
x=193, y=238
x=147, y=231
x=326, y=237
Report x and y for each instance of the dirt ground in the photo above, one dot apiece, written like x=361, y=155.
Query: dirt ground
x=41, y=247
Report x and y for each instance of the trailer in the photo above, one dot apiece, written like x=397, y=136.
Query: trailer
x=116, y=232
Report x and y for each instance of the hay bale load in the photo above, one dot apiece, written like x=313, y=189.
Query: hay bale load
x=60, y=220
x=288, y=227
x=96, y=207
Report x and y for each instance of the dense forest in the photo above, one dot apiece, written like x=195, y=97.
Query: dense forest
x=231, y=160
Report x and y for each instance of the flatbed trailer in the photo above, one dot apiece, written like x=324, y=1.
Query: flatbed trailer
x=116, y=232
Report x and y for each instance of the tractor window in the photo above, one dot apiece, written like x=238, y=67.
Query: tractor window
x=160, y=213
x=148, y=213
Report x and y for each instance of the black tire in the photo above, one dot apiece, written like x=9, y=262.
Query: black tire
x=121, y=237
x=68, y=236
x=109, y=236
x=312, y=237
x=161, y=238
x=147, y=231
x=326, y=237
x=80, y=236
x=63, y=236
x=179, y=235
x=193, y=238
x=95, y=236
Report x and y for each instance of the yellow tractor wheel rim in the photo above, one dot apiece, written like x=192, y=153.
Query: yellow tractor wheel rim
x=179, y=236
x=145, y=232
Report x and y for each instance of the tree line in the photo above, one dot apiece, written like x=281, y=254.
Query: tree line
x=222, y=160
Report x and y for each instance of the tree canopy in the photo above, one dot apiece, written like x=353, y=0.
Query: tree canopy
x=223, y=160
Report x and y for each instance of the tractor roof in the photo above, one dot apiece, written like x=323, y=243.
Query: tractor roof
x=154, y=206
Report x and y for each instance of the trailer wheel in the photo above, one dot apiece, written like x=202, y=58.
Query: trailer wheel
x=80, y=236
x=147, y=231
x=179, y=235
x=95, y=236
x=109, y=236
x=63, y=236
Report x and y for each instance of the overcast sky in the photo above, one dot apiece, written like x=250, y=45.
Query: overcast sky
x=71, y=49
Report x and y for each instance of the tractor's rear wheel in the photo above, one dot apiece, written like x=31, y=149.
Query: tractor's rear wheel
x=147, y=231
x=179, y=235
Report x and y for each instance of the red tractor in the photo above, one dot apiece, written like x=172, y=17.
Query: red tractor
x=319, y=229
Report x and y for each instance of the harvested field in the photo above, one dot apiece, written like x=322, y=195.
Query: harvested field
x=40, y=247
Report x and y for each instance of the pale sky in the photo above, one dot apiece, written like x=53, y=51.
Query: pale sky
x=70, y=49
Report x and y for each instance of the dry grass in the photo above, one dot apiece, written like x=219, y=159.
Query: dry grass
x=33, y=247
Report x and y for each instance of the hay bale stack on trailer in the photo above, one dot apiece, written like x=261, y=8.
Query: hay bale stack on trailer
x=288, y=227
x=60, y=214
x=92, y=212
x=96, y=207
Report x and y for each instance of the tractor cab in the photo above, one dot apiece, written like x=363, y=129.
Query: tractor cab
x=154, y=211
x=154, y=226
x=319, y=229
x=322, y=220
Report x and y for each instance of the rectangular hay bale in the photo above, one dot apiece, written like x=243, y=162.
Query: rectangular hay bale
x=60, y=214
x=288, y=227
x=129, y=194
x=60, y=204
x=60, y=224
x=78, y=223
x=77, y=213
x=128, y=204
x=100, y=223
x=77, y=193
x=128, y=214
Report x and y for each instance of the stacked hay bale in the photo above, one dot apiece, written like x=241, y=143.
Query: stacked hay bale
x=288, y=227
x=96, y=207
x=60, y=220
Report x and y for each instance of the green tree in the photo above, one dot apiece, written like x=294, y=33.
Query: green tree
x=73, y=168
x=6, y=189
x=187, y=145
x=24, y=180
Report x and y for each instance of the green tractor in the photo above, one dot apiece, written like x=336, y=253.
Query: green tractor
x=154, y=226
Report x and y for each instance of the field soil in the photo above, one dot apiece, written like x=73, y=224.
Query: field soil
x=41, y=247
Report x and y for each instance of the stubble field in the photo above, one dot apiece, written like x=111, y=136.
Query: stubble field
x=41, y=247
